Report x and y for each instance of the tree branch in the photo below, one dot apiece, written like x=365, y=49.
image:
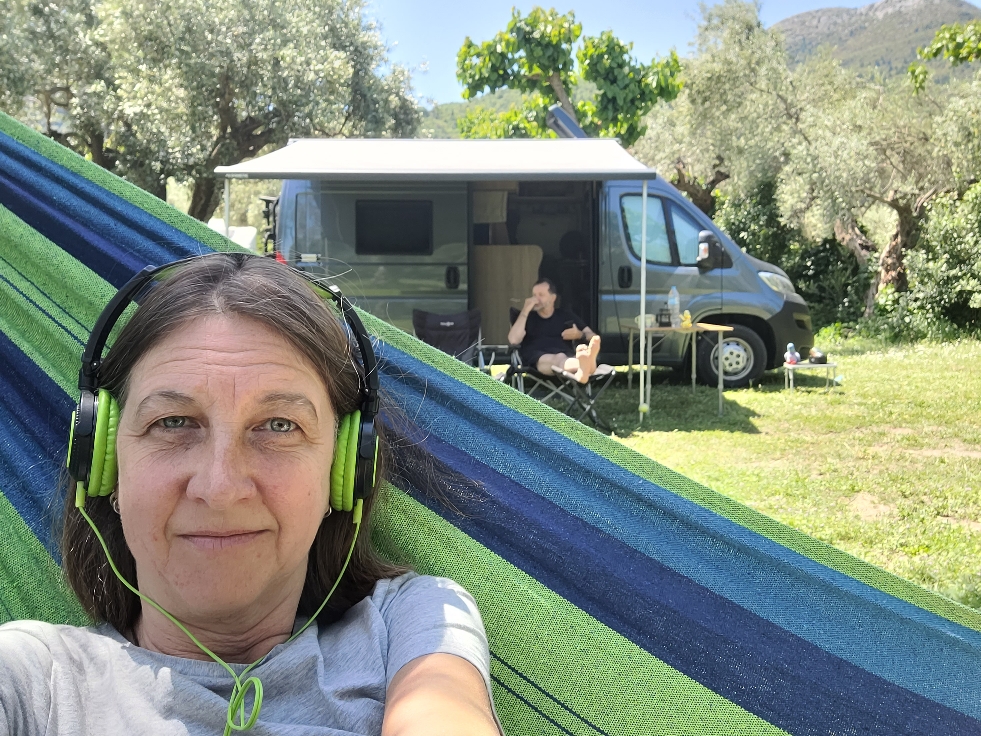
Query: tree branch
x=556, y=83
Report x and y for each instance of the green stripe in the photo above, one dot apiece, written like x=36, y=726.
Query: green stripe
x=74, y=287
x=31, y=584
x=644, y=467
x=605, y=678
x=112, y=183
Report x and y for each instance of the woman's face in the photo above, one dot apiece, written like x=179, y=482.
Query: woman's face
x=224, y=447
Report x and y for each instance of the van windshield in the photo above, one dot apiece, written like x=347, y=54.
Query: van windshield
x=658, y=247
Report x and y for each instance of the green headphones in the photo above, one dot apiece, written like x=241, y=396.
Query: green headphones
x=92, y=441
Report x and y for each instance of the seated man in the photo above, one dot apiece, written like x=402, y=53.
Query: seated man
x=544, y=333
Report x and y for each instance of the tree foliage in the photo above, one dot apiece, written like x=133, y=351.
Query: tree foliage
x=536, y=54
x=178, y=87
x=526, y=121
x=959, y=43
x=842, y=152
x=734, y=115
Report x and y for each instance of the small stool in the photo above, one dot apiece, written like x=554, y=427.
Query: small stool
x=790, y=368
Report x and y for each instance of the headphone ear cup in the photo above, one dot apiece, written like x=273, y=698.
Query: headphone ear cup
x=110, y=471
x=351, y=461
x=337, y=468
x=100, y=442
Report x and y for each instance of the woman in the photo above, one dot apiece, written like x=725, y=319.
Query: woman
x=230, y=380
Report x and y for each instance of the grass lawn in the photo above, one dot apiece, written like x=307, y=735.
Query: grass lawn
x=887, y=467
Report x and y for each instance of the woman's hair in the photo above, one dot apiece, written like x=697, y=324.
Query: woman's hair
x=268, y=292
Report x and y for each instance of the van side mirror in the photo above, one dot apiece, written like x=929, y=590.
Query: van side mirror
x=710, y=253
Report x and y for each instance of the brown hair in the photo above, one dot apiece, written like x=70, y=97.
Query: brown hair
x=270, y=293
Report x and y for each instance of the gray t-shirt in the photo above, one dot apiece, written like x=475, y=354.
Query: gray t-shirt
x=69, y=680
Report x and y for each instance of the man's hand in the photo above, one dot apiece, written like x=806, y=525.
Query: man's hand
x=572, y=333
x=531, y=304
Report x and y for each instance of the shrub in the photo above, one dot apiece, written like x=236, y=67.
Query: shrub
x=824, y=273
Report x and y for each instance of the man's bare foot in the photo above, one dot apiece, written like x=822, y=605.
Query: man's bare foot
x=586, y=357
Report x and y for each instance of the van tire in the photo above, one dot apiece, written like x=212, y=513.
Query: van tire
x=744, y=357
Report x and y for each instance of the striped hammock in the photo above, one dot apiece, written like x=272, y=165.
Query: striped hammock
x=620, y=598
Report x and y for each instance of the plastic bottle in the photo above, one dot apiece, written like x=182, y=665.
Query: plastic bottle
x=674, y=306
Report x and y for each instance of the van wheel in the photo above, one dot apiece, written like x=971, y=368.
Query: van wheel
x=743, y=357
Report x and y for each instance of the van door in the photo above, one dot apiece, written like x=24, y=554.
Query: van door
x=620, y=304
x=700, y=292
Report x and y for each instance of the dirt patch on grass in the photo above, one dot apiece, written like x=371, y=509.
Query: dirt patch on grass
x=868, y=507
x=960, y=451
x=951, y=450
x=974, y=526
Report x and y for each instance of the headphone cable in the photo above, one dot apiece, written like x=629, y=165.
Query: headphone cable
x=240, y=689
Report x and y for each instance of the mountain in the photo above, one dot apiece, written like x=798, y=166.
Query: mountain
x=883, y=35
x=440, y=122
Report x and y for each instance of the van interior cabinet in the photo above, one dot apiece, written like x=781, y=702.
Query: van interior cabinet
x=501, y=278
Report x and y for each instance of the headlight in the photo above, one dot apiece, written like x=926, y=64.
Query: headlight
x=777, y=282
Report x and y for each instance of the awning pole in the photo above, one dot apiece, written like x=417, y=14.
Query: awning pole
x=642, y=407
x=228, y=203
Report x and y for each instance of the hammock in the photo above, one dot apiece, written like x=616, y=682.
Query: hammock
x=620, y=598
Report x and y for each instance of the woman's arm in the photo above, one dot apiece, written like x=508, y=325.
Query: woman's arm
x=438, y=695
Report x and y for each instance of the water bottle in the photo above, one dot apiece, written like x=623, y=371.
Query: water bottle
x=674, y=307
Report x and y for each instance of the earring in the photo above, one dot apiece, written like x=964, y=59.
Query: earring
x=329, y=509
x=114, y=501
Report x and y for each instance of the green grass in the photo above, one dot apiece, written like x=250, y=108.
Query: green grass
x=886, y=467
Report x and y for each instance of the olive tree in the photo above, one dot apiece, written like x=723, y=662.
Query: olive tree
x=735, y=112
x=864, y=144
x=178, y=87
x=537, y=54
x=57, y=75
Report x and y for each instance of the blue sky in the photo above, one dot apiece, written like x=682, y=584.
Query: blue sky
x=425, y=36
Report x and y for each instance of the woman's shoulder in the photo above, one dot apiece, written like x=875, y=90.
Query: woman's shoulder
x=415, y=590
x=54, y=641
x=423, y=614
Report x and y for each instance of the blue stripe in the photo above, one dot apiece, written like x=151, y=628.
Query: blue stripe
x=41, y=309
x=34, y=417
x=770, y=672
x=533, y=707
x=551, y=697
x=63, y=313
x=112, y=237
x=902, y=643
x=544, y=717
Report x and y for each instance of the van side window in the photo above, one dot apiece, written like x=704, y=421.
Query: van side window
x=658, y=248
x=686, y=232
x=393, y=227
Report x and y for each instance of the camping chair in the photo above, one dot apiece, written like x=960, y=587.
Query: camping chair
x=577, y=400
x=456, y=334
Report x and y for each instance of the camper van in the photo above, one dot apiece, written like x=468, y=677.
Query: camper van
x=449, y=225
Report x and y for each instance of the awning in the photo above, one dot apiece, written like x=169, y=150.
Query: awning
x=415, y=159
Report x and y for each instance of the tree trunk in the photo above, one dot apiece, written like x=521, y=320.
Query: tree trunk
x=204, y=198
x=892, y=263
x=863, y=249
x=97, y=149
x=701, y=195
x=158, y=188
x=556, y=82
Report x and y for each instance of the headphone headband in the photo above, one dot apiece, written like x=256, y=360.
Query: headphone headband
x=136, y=288
x=84, y=420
